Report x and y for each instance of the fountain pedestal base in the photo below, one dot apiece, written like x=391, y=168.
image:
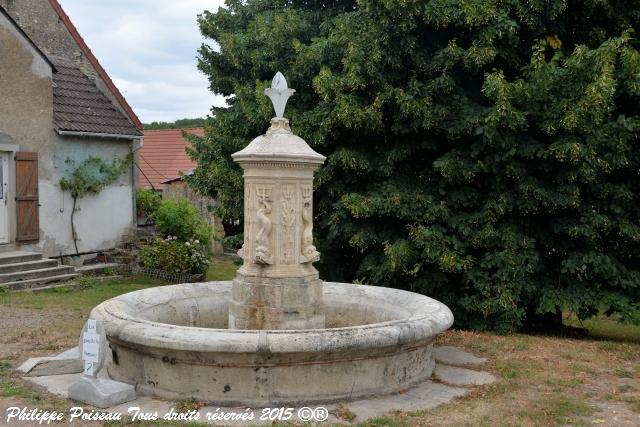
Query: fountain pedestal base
x=259, y=303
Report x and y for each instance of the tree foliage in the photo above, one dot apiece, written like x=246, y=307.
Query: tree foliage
x=178, y=124
x=481, y=152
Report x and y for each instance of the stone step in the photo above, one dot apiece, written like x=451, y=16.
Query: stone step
x=40, y=283
x=15, y=257
x=35, y=274
x=96, y=269
x=28, y=265
x=8, y=247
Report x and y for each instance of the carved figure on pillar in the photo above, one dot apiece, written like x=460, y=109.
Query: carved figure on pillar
x=309, y=252
x=288, y=223
x=263, y=253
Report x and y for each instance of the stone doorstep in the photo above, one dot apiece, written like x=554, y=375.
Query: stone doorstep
x=101, y=392
x=67, y=362
x=426, y=395
x=455, y=376
x=453, y=356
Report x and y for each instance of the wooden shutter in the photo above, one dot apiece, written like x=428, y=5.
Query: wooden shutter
x=27, y=208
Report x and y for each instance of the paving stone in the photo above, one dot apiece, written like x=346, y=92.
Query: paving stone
x=101, y=392
x=425, y=396
x=67, y=362
x=454, y=356
x=55, y=384
x=461, y=376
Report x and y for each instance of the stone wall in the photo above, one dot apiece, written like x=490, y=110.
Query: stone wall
x=43, y=25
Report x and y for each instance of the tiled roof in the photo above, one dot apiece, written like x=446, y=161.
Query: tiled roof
x=163, y=156
x=79, y=106
x=94, y=61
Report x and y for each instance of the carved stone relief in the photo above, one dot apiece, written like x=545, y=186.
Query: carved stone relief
x=263, y=253
x=309, y=252
x=288, y=204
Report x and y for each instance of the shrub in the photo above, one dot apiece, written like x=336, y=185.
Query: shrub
x=147, y=202
x=181, y=219
x=174, y=256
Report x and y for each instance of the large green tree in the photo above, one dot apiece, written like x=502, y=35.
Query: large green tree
x=483, y=152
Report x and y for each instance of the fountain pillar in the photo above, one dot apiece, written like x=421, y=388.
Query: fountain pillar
x=277, y=286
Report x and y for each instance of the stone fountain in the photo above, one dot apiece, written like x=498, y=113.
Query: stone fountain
x=276, y=334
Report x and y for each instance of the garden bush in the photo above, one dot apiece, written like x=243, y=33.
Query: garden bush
x=181, y=219
x=175, y=256
x=147, y=202
x=481, y=152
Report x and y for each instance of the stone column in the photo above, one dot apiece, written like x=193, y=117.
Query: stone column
x=277, y=286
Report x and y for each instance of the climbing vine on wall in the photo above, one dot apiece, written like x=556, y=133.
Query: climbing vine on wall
x=89, y=178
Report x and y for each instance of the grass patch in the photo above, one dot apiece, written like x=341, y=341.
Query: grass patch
x=10, y=388
x=384, y=421
x=633, y=402
x=510, y=369
x=622, y=372
x=90, y=294
x=557, y=410
x=607, y=328
x=223, y=268
x=560, y=384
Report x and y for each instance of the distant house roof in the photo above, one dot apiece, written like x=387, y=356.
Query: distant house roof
x=179, y=178
x=79, y=106
x=95, y=63
x=163, y=157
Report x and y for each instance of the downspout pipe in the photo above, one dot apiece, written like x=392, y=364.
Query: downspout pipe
x=137, y=145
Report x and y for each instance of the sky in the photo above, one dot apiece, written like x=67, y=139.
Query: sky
x=149, y=49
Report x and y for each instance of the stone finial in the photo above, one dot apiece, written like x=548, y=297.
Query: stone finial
x=279, y=93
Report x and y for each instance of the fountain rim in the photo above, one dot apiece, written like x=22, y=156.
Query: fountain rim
x=421, y=325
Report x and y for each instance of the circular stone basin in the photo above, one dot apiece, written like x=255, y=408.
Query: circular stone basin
x=172, y=342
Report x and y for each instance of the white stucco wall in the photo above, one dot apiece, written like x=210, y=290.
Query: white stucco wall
x=100, y=223
x=102, y=218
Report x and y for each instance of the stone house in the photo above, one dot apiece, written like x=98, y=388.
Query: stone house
x=57, y=104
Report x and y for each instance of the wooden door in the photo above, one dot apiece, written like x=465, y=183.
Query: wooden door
x=27, y=208
x=4, y=196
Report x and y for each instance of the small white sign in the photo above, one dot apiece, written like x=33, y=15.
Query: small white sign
x=91, y=325
x=90, y=347
x=88, y=368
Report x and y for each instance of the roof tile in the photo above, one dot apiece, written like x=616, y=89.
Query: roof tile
x=163, y=156
x=78, y=105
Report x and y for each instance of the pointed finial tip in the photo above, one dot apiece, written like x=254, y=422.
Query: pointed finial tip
x=279, y=83
x=279, y=93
